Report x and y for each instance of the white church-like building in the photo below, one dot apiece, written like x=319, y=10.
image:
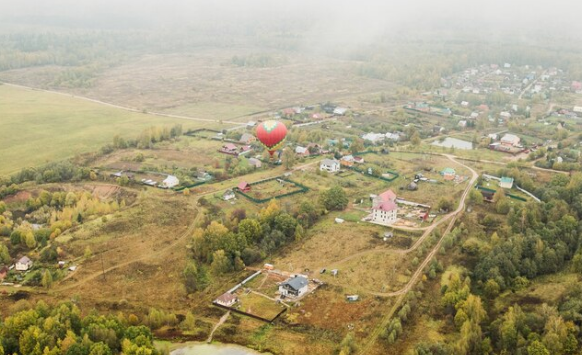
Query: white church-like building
x=384, y=208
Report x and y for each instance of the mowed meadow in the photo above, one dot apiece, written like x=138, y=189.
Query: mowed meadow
x=38, y=127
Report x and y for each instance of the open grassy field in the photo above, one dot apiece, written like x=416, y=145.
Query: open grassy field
x=39, y=127
x=206, y=84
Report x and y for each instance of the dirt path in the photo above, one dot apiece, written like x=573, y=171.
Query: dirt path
x=220, y=322
x=402, y=293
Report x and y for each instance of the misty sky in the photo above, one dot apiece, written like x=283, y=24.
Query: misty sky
x=362, y=20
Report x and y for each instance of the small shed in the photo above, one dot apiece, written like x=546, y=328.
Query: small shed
x=352, y=298
x=334, y=272
x=228, y=195
x=244, y=186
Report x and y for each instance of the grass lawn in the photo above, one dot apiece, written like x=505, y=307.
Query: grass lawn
x=258, y=305
x=39, y=127
x=215, y=110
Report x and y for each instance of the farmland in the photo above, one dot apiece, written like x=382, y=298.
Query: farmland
x=40, y=127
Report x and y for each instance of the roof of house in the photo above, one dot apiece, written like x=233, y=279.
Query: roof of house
x=510, y=138
x=24, y=260
x=446, y=171
x=385, y=206
x=329, y=162
x=388, y=195
x=506, y=180
x=301, y=150
x=226, y=298
x=229, y=146
x=297, y=282
x=243, y=185
x=247, y=137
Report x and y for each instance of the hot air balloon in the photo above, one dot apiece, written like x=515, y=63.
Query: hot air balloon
x=272, y=135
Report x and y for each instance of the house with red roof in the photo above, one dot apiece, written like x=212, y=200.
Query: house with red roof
x=244, y=186
x=384, y=208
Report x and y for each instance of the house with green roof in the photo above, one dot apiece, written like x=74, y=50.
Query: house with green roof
x=506, y=182
x=449, y=173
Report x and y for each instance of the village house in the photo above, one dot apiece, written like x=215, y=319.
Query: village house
x=510, y=140
x=245, y=149
x=359, y=160
x=170, y=182
x=462, y=124
x=374, y=137
x=247, y=138
x=384, y=208
x=329, y=165
x=229, y=148
x=295, y=286
x=202, y=175
x=505, y=115
x=244, y=186
x=302, y=151
x=395, y=137
x=449, y=174
x=577, y=109
x=228, y=195
x=256, y=163
x=347, y=160
x=340, y=111
x=506, y=182
x=23, y=264
x=227, y=299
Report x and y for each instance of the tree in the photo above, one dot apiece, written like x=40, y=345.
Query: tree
x=47, y=279
x=190, y=274
x=357, y=146
x=189, y=322
x=537, y=348
x=88, y=253
x=415, y=138
x=491, y=289
x=334, y=199
x=4, y=255
x=445, y=204
x=475, y=197
x=221, y=264
x=289, y=158
x=250, y=229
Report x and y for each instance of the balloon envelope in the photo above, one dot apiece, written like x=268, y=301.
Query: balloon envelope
x=271, y=134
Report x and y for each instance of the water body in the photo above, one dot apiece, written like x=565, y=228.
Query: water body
x=215, y=349
x=454, y=143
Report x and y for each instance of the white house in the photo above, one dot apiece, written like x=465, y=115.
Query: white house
x=227, y=299
x=505, y=115
x=295, y=286
x=301, y=150
x=23, y=264
x=228, y=195
x=340, y=111
x=384, y=209
x=393, y=136
x=462, y=123
x=374, y=137
x=493, y=136
x=170, y=181
x=329, y=165
x=577, y=109
x=464, y=103
x=506, y=182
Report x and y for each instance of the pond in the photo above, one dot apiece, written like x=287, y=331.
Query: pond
x=453, y=142
x=214, y=349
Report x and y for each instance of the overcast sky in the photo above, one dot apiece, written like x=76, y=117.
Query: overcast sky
x=361, y=20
